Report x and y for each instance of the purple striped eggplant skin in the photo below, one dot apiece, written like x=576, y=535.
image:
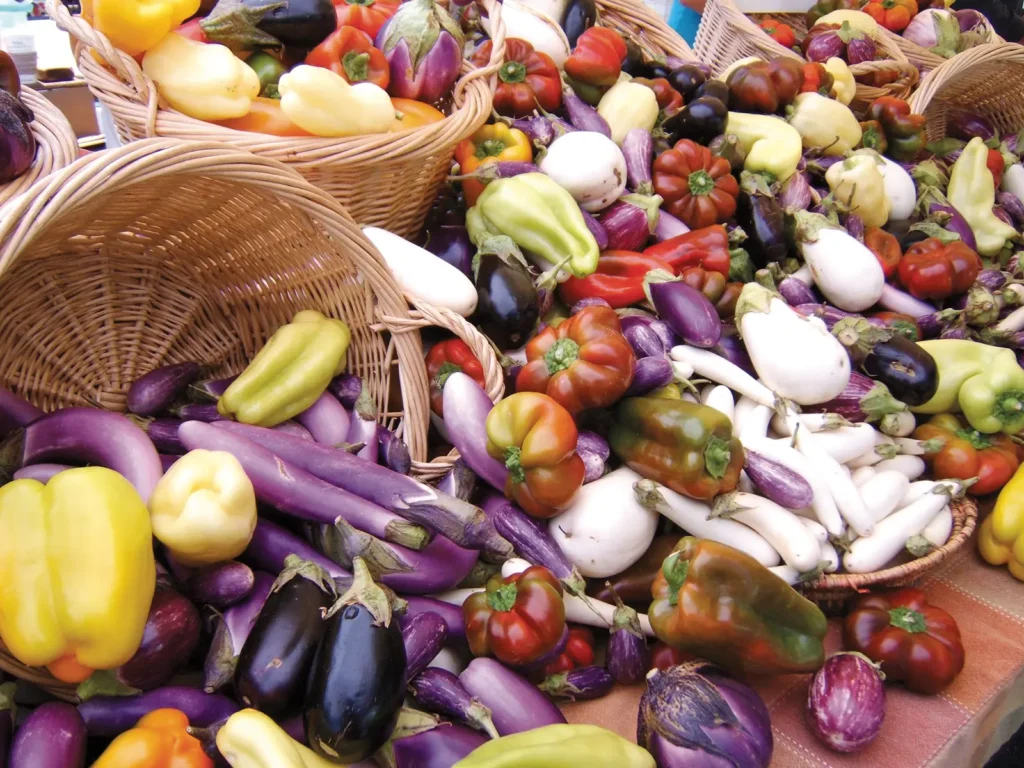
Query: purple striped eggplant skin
x=221, y=585
x=418, y=71
x=326, y=420
x=346, y=388
x=579, y=684
x=52, y=736
x=450, y=614
x=198, y=412
x=516, y=704
x=363, y=427
x=111, y=715
x=210, y=390
x=153, y=392
x=628, y=657
x=778, y=482
x=233, y=627
x=164, y=434
x=846, y=702
x=392, y=452
x=15, y=412
x=439, y=747
x=171, y=635
x=424, y=636
x=438, y=690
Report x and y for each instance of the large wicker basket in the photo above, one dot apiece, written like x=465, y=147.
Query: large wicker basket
x=726, y=35
x=833, y=591
x=634, y=19
x=387, y=180
x=164, y=251
x=987, y=80
x=56, y=145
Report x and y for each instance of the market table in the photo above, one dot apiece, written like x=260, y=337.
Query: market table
x=963, y=726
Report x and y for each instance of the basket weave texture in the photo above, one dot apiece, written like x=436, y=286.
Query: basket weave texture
x=386, y=180
x=164, y=251
x=56, y=145
x=645, y=27
x=987, y=80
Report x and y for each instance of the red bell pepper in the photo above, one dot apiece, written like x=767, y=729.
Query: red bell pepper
x=707, y=247
x=366, y=15
x=669, y=99
x=965, y=453
x=915, y=642
x=516, y=619
x=697, y=187
x=618, y=279
x=996, y=164
x=886, y=248
x=349, y=52
x=664, y=656
x=446, y=358
x=904, y=325
x=597, y=58
x=932, y=269
x=528, y=80
x=579, y=652
x=817, y=79
x=782, y=34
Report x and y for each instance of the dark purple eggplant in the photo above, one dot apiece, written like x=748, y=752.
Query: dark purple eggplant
x=40, y=472
x=507, y=309
x=450, y=614
x=956, y=224
x=206, y=412
x=453, y=245
x=326, y=420
x=594, y=451
x=88, y=436
x=516, y=705
x=296, y=492
x=438, y=690
x=905, y=368
x=220, y=585
x=701, y=120
x=278, y=654
x=686, y=311
x=363, y=427
x=111, y=715
x=6, y=720
x=167, y=461
x=439, y=747
x=648, y=336
x=459, y=483
x=730, y=346
x=15, y=412
x=208, y=391
x=156, y=390
x=424, y=636
x=687, y=80
x=778, y=482
x=271, y=544
x=163, y=433
x=651, y=373
x=358, y=680
x=862, y=400
x=579, y=684
x=993, y=279
x=346, y=388
x=577, y=18
x=638, y=150
x=731, y=149
x=630, y=221
x=232, y=628
x=761, y=217
x=628, y=657
x=52, y=736
x=392, y=452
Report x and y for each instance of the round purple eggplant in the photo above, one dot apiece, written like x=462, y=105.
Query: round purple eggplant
x=846, y=702
x=52, y=736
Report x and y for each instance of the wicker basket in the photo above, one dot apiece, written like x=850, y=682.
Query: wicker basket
x=56, y=145
x=386, y=180
x=726, y=35
x=634, y=19
x=163, y=251
x=987, y=80
x=833, y=591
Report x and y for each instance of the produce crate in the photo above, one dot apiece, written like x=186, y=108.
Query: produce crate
x=164, y=251
x=56, y=145
x=385, y=180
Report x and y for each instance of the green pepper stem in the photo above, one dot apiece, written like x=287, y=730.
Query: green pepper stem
x=563, y=353
x=674, y=569
x=701, y=183
x=717, y=456
x=445, y=371
x=513, y=462
x=490, y=148
x=503, y=598
x=512, y=72
x=977, y=440
x=356, y=65
x=907, y=619
x=1009, y=406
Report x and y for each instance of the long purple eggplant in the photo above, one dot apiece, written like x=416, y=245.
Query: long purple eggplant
x=6, y=720
x=111, y=715
x=458, y=520
x=687, y=312
x=863, y=399
x=346, y=388
x=363, y=427
x=596, y=229
x=209, y=391
x=796, y=292
x=594, y=451
x=221, y=585
x=40, y=472
x=294, y=429
x=439, y=747
x=326, y=419
x=90, y=436
x=465, y=424
x=450, y=614
x=516, y=704
x=15, y=412
x=296, y=492
x=583, y=116
x=167, y=461
x=233, y=626
x=459, y=483
x=163, y=432
x=778, y=482
x=198, y=412
x=438, y=690
x=392, y=452
x=638, y=150
x=424, y=636
x=579, y=684
x=271, y=544
x=52, y=736
x=153, y=392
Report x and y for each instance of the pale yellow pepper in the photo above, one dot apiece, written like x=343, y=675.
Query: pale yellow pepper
x=135, y=26
x=824, y=124
x=202, y=80
x=857, y=183
x=856, y=19
x=972, y=191
x=321, y=102
x=1001, y=538
x=204, y=508
x=772, y=144
x=842, y=80
x=250, y=739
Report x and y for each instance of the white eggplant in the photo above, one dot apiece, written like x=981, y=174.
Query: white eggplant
x=719, y=370
x=744, y=406
x=1013, y=180
x=540, y=30
x=846, y=443
x=795, y=356
x=605, y=530
x=780, y=527
x=937, y=532
x=861, y=475
x=899, y=186
x=872, y=553
x=829, y=557
x=898, y=424
x=916, y=490
x=787, y=573
x=553, y=8
x=911, y=466
x=589, y=166
x=883, y=492
x=817, y=529
x=720, y=398
x=843, y=268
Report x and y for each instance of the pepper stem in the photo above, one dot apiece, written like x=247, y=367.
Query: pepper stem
x=503, y=598
x=445, y=372
x=563, y=353
x=717, y=455
x=1009, y=406
x=674, y=569
x=356, y=66
x=512, y=72
x=701, y=183
x=513, y=462
x=907, y=619
x=490, y=148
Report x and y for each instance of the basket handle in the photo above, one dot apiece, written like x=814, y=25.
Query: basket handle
x=489, y=70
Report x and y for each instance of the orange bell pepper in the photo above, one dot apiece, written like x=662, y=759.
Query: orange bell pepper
x=366, y=15
x=264, y=116
x=410, y=114
x=349, y=52
x=894, y=15
x=488, y=145
x=158, y=740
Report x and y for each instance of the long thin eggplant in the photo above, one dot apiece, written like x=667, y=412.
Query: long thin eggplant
x=52, y=736
x=438, y=690
x=358, y=681
x=346, y=388
x=15, y=412
x=326, y=419
x=164, y=434
x=278, y=655
x=363, y=427
x=221, y=585
x=233, y=627
x=863, y=400
x=778, y=482
x=88, y=436
x=460, y=521
x=465, y=424
x=761, y=217
x=271, y=544
x=459, y=483
x=153, y=392
x=450, y=614
x=296, y=492
x=580, y=684
x=638, y=150
x=424, y=636
x=210, y=390
x=392, y=452
x=111, y=715
x=516, y=704
x=595, y=452
x=198, y=412
x=442, y=746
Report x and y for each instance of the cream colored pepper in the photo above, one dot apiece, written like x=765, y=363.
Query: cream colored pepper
x=842, y=80
x=857, y=183
x=321, y=102
x=250, y=739
x=204, y=508
x=824, y=124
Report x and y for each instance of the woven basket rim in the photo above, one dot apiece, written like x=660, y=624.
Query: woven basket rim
x=962, y=63
x=56, y=144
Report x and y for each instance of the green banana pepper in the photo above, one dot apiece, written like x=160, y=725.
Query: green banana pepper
x=291, y=371
x=688, y=447
x=983, y=381
x=559, y=746
x=972, y=191
x=540, y=217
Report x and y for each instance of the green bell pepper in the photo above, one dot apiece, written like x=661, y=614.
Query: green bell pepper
x=540, y=216
x=291, y=371
x=559, y=746
x=688, y=447
x=983, y=381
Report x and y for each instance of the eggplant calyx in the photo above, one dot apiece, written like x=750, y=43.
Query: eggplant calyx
x=502, y=247
x=7, y=698
x=807, y=577
x=365, y=592
x=235, y=24
x=754, y=184
x=343, y=543
x=364, y=405
x=753, y=298
x=932, y=229
x=807, y=225
x=296, y=567
x=445, y=372
x=654, y=277
x=648, y=496
x=419, y=24
x=879, y=402
x=624, y=618
x=918, y=546
x=860, y=336
x=877, y=666
x=763, y=277
x=478, y=714
x=407, y=534
x=649, y=203
x=726, y=506
x=887, y=451
x=104, y=682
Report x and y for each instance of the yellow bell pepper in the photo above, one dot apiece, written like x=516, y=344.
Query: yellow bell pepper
x=824, y=124
x=627, y=105
x=291, y=371
x=77, y=573
x=972, y=191
x=202, y=80
x=204, y=508
x=857, y=183
x=772, y=144
x=856, y=19
x=250, y=739
x=135, y=26
x=842, y=80
x=323, y=103
x=1001, y=538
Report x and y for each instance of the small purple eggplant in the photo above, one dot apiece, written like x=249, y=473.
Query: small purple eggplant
x=451, y=244
x=638, y=150
x=628, y=656
x=423, y=45
x=846, y=702
x=439, y=747
x=424, y=636
x=651, y=373
x=111, y=715
x=583, y=116
x=594, y=451
x=233, y=627
x=686, y=311
x=597, y=229
x=221, y=585
x=630, y=221
x=778, y=482
x=347, y=388
x=392, y=452
x=153, y=392
x=53, y=736
x=438, y=690
x=579, y=684
x=542, y=129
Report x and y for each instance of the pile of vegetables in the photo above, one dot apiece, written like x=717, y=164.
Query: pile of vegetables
x=16, y=137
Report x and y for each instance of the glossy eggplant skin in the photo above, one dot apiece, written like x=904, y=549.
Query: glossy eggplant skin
x=701, y=120
x=905, y=368
x=579, y=16
x=279, y=652
x=507, y=307
x=762, y=219
x=357, y=686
